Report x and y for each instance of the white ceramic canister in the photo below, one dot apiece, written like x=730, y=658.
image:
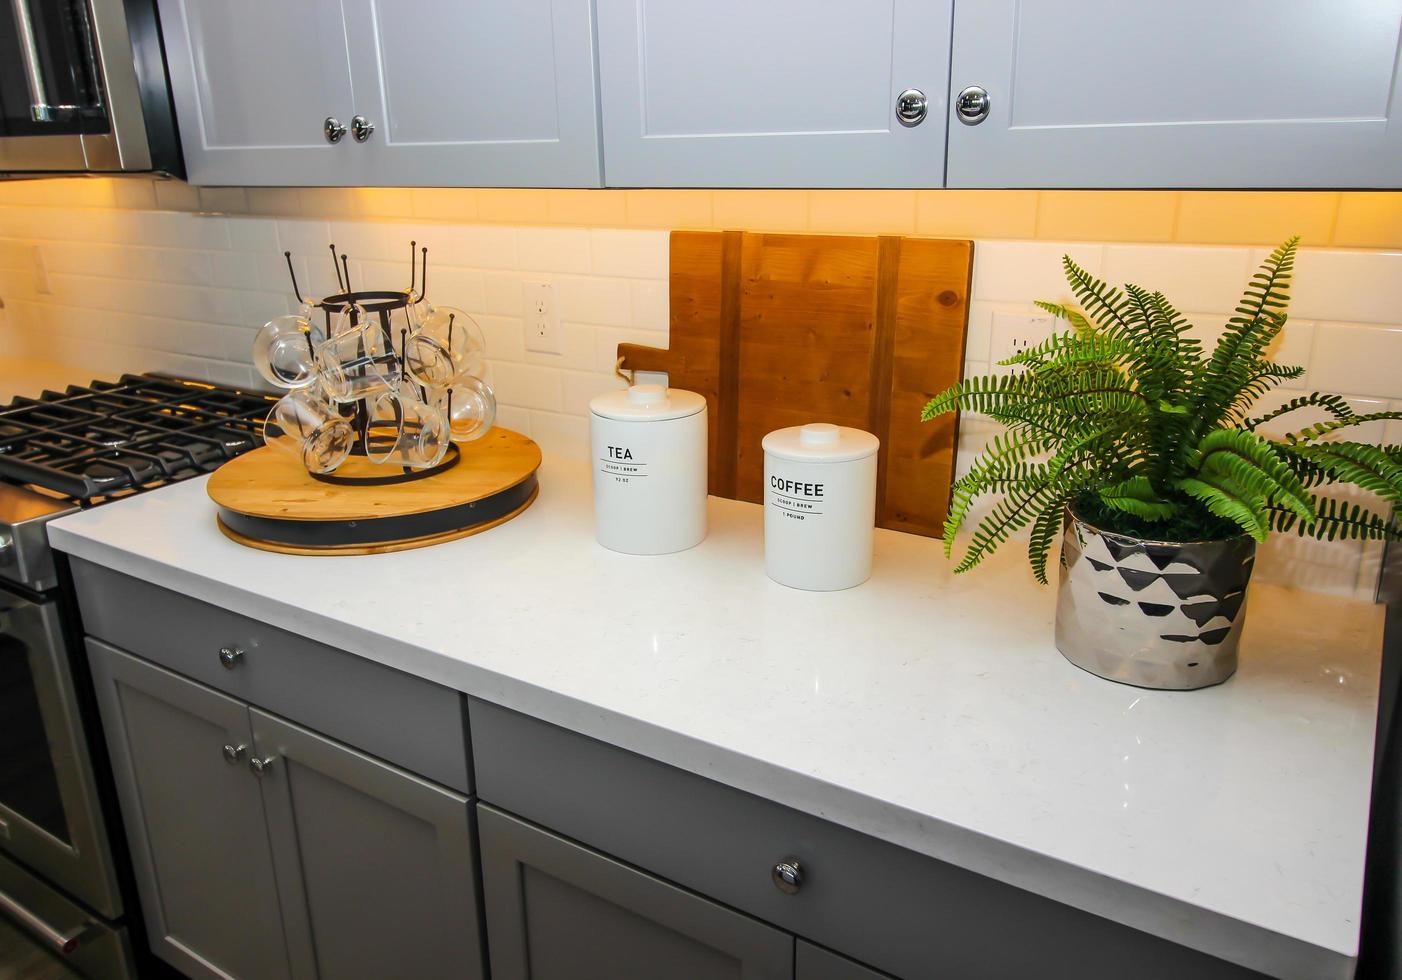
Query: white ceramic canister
x=819, y=506
x=649, y=457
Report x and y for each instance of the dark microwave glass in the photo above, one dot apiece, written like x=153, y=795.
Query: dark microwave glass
x=67, y=63
x=28, y=779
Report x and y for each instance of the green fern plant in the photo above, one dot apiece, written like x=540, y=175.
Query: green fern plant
x=1128, y=418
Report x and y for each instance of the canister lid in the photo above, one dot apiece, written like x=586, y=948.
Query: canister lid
x=821, y=442
x=647, y=403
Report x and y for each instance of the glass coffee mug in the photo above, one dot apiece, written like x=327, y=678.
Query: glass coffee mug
x=471, y=408
x=284, y=351
x=305, y=425
x=357, y=364
x=401, y=429
x=445, y=346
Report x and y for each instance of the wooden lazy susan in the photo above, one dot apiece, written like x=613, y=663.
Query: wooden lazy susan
x=268, y=500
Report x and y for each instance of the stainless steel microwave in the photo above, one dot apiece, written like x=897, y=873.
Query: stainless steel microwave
x=83, y=89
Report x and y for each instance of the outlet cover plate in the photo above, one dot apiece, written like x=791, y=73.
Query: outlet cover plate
x=1013, y=333
x=542, y=317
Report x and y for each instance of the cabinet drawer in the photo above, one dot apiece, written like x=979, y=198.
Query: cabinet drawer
x=406, y=720
x=898, y=911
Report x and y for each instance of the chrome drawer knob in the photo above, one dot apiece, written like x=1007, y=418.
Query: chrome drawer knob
x=911, y=107
x=788, y=875
x=261, y=766
x=233, y=752
x=333, y=129
x=361, y=128
x=230, y=657
x=971, y=105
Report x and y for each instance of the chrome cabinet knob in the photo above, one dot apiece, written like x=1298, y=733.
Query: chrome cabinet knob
x=361, y=128
x=261, y=766
x=230, y=657
x=788, y=875
x=971, y=105
x=233, y=752
x=911, y=107
x=333, y=129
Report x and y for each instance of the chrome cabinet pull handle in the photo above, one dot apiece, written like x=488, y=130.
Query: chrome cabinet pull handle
x=261, y=767
x=971, y=105
x=333, y=129
x=788, y=875
x=230, y=657
x=911, y=107
x=233, y=752
x=361, y=128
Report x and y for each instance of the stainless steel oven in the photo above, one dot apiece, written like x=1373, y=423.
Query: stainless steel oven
x=83, y=89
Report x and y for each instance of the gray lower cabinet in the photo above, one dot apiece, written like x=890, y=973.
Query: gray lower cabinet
x=373, y=863
x=194, y=820
x=815, y=963
x=264, y=850
x=559, y=911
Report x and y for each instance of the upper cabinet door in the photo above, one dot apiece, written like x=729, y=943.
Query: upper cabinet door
x=477, y=93
x=254, y=84
x=781, y=93
x=1194, y=93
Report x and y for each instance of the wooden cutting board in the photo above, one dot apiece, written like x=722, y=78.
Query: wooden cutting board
x=779, y=330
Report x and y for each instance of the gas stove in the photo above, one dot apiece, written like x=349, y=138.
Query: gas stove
x=91, y=444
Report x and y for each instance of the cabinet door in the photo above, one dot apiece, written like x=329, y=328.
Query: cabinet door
x=254, y=82
x=784, y=93
x=374, y=865
x=193, y=818
x=558, y=911
x=1196, y=93
x=477, y=92
x=815, y=963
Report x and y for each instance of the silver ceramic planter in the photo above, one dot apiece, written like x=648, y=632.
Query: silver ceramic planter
x=1157, y=614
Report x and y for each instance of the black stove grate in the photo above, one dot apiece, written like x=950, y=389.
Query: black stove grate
x=112, y=439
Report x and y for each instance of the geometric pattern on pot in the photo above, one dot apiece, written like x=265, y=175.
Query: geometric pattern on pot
x=1156, y=614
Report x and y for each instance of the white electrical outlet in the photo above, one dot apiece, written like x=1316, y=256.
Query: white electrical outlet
x=542, y=318
x=1014, y=333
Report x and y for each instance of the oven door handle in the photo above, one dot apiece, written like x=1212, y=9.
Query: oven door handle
x=62, y=943
x=39, y=108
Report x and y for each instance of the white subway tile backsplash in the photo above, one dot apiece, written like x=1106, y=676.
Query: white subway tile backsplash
x=252, y=234
x=592, y=300
x=577, y=353
x=504, y=335
x=504, y=294
x=1191, y=278
x=566, y=436
x=553, y=249
x=528, y=386
x=1359, y=357
x=1364, y=287
x=580, y=387
x=1021, y=272
x=624, y=252
x=651, y=310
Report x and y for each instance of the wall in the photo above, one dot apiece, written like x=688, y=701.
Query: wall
x=135, y=274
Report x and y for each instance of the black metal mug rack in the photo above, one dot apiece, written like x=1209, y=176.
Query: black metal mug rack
x=382, y=304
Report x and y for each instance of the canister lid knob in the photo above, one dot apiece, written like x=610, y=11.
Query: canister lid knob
x=818, y=434
x=647, y=395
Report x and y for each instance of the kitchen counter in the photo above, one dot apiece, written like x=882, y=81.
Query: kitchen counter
x=927, y=710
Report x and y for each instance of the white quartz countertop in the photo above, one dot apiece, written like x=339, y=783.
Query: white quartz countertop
x=924, y=709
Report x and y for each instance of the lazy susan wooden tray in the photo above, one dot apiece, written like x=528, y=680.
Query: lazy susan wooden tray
x=267, y=500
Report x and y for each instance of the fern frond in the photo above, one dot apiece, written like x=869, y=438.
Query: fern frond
x=1333, y=404
x=1137, y=496
x=1337, y=519
x=1082, y=326
x=1220, y=495
x=1321, y=429
x=1254, y=465
x=1365, y=466
x=1045, y=528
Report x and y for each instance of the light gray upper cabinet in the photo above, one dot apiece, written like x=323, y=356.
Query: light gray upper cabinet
x=1196, y=93
x=558, y=911
x=429, y=92
x=254, y=83
x=374, y=864
x=785, y=93
x=477, y=92
x=194, y=820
